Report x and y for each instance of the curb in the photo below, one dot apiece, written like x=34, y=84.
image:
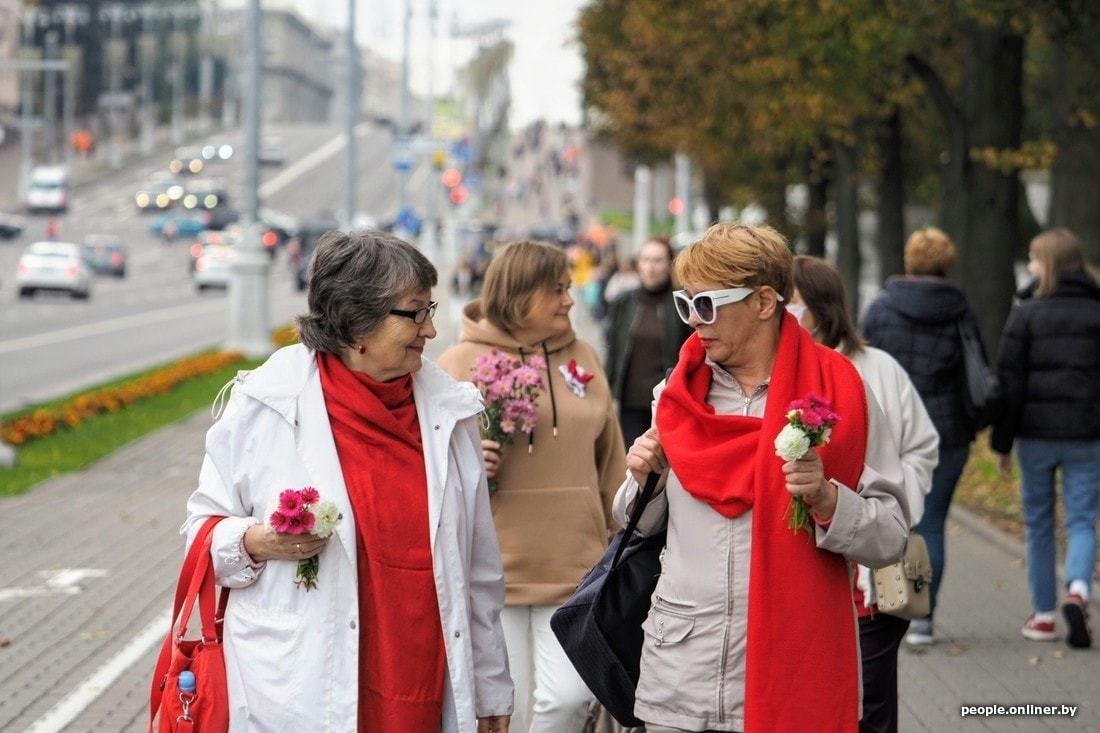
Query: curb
x=988, y=531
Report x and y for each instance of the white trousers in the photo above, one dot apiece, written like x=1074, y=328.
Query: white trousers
x=550, y=695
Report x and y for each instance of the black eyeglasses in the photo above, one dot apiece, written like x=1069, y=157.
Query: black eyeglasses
x=419, y=315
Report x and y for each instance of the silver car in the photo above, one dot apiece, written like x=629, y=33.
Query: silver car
x=53, y=266
x=214, y=267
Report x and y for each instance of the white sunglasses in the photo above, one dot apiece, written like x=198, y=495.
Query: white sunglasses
x=705, y=305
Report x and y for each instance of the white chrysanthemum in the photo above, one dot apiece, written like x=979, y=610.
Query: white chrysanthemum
x=791, y=443
x=327, y=516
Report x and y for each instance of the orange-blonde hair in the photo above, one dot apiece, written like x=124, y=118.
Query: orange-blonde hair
x=738, y=255
x=929, y=251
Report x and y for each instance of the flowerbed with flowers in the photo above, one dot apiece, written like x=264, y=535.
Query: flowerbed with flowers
x=45, y=421
x=71, y=433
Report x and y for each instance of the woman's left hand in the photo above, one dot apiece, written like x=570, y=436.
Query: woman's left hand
x=806, y=480
x=496, y=724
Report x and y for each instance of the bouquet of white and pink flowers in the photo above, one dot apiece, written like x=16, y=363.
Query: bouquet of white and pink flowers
x=510, y=389
x=810, y=423
x=298, y=512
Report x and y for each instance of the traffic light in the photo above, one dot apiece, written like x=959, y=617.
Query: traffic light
x=675, y=205
x=452, y=177
x=459, y=194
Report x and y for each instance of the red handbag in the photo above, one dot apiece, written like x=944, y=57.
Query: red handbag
x=201, y=703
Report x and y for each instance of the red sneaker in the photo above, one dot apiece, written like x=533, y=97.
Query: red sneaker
x=1076, y=613
x=1038, y=630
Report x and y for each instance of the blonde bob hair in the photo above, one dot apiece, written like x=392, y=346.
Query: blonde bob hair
x=738, y=255
x=1059, y=252
x=517, y=272
x=929, y=251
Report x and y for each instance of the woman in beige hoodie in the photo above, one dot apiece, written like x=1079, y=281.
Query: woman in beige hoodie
x=552, y=507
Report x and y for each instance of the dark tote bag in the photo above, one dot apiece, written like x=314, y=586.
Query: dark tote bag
x=981, y=393
x=600, y=626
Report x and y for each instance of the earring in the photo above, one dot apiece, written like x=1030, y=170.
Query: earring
x=362, y=349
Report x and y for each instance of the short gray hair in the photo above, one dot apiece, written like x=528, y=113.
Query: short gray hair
x=355, y=279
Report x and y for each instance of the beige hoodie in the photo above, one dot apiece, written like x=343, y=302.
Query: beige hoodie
x=552, y=507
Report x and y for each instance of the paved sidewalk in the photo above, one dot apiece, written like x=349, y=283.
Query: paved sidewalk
x=121, y=517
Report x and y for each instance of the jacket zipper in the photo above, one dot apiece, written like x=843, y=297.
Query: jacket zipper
x=726, y=624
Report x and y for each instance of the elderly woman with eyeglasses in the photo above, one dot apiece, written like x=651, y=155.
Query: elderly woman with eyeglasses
x=402, y=630
x=752, y=624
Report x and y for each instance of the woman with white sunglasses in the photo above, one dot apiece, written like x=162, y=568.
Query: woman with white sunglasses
x=752, y=624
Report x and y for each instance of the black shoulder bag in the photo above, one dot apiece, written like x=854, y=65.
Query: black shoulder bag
x=600, y=626
x=981, y=394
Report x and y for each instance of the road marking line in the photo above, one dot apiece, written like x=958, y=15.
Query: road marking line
x=110, y=326
x=286, y=177
x=88, y=691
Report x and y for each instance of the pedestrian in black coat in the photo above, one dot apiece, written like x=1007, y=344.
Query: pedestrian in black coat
x=1049, y=370
x=916, y=319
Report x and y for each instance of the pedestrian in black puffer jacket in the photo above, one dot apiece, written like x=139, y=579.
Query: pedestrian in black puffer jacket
x=1049, y=370
x=916, y=320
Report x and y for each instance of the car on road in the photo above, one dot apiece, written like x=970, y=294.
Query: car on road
x=48, y=189
x=54, y=266
x=213, y=152
x=184, y=223
x=272, y=152
x=204, y=193
x=11, y=226
x=104, y=254
x=187, y=161
x=158, y=195
x=214, y=267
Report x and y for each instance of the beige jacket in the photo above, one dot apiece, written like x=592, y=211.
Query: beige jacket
x=693, y=657
x=552, y=507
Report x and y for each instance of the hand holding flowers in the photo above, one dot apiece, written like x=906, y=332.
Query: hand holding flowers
x=298, y=526
x=810, y=423
x=510, y=389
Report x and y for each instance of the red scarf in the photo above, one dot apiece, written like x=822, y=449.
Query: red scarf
x=802, y=661
x=402, y=659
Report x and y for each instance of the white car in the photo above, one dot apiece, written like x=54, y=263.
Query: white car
x=214, y=267
x=55, y=266
x=48, y=189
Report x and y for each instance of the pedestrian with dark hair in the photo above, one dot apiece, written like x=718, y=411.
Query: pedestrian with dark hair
x=400, y=629
x=820, y=304
x=644, y=337
x=1049, y=370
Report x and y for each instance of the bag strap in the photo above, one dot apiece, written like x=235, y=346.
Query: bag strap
x=636, y=515
x=196, y=567
x=639, y=505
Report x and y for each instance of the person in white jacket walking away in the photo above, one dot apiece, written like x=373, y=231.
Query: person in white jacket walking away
x=401, y=629
x=819, y=302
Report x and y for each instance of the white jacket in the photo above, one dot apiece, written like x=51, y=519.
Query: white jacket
x=292, y=656
x=912, y=428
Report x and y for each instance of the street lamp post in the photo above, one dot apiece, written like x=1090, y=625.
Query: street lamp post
x=248, y=291
x=643, y=178
x=350, y=118
x=26, y=101
x=403, y=119
x=428, y=229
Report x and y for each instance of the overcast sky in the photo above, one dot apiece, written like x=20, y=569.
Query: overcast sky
x=546, y=66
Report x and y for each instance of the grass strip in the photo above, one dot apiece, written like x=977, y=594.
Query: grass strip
x=73, y=449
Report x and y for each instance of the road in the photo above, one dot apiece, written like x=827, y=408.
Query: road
x=51, y=345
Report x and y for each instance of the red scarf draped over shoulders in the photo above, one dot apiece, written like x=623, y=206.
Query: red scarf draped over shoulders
x=802, y=659
x=402, y=658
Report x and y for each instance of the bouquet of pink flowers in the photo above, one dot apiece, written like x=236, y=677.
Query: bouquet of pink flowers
x=810, y=423
x=510, y=389
x=298, y=512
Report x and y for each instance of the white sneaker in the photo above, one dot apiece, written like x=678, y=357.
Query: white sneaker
x=920, y=632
